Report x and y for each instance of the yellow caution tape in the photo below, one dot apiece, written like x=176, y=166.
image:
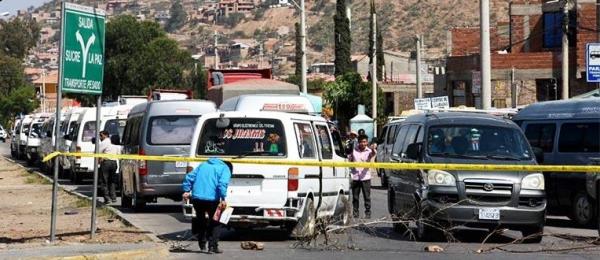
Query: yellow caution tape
x=394, y=166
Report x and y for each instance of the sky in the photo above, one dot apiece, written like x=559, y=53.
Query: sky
x=11, y=6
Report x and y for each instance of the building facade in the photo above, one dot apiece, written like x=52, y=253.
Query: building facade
x=526, y=55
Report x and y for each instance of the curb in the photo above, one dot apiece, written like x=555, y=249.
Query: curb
x=113, y=210
x=159, y=252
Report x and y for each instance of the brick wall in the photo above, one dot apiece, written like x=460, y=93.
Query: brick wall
x=586, y=24
x=529, y=60
x=465, y=41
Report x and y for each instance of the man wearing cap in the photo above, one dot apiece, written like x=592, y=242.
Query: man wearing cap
x=352, y=142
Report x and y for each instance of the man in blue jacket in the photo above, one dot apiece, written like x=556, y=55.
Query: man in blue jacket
x=208, y=186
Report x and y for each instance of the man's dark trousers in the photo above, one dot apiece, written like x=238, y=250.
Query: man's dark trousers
x=108, y=180
x=207, y=228
x=365, y=186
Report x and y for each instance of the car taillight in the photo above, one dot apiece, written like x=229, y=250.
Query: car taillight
x=78, y=150
x=142, y=169
x=292, y=179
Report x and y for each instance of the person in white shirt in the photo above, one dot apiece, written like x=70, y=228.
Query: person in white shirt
x=108, y=169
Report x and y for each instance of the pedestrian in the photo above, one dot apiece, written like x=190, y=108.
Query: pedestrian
x=207, y=187
x=108, y=168
x=361, y=177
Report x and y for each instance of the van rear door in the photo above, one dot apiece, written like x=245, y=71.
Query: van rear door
x=255, y=138
x=170, y=136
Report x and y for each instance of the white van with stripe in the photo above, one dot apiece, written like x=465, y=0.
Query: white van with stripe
x=277, y=195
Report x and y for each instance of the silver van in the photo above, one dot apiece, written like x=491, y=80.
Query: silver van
x=158, y=128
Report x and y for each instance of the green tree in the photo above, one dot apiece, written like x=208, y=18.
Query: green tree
x=298, y=57
x=343, y=62
x=139, y=56
x=18, y=36
x=20, y=101
x=178, y=17
x=379, y=37
x=11, y=74
x=346, y=93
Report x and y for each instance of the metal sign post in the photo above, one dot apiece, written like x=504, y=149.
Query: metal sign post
x=81, y=71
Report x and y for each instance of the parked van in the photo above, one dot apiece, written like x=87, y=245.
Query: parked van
x=47, y=142
x=510, y=199
x=158, y=128
x=33, y=138
x=568, y=133
x=3, y=134
x=14, y=140
x=269, y=102
x=386, y=141
x=286, y=196
x=22, y=137
x=66, y=130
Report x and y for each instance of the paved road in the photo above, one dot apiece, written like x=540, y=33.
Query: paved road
x=375, y=242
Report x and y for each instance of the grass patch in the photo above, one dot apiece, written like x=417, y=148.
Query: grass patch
x=86, y=203
x=34, y=179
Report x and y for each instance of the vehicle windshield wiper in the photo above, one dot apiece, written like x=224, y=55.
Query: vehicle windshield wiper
x=503, y=157
x=253, y=153
x=463, y=156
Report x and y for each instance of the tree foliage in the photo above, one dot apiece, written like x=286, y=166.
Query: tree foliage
x=178, y=17
x=343, y=62
x=11, y=74
x=20, y=101
x=18, y=36
x=139, y=56
x=346, y=93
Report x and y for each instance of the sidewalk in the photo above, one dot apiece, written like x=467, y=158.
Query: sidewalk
x=25, y=224
x=90, y=251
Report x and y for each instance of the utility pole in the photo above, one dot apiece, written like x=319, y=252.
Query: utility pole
x=43, y=91
x=303, y=43
x=486, y=67
x=513, y=89
x=565, y=52
x=374, y=74
x=418, y=70
x=216, y=64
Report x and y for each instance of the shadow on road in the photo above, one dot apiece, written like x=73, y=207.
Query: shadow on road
x=235, y=235
x=566, y=223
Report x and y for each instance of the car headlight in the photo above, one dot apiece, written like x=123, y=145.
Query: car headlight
x=533, y=181
x=440, y=178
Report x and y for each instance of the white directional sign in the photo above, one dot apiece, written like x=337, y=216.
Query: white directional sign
x=593, y=62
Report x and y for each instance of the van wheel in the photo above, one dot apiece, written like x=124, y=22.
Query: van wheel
x=532, y=234
x=343, y=210
x=583, y=209
x=306, y=225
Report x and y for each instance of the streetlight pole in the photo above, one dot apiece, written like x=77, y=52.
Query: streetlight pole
x=303, y=43
x=374, y=74
x=486, y=67
x=565, y=52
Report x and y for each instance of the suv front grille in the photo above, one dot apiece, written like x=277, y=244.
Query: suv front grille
x=488, y=191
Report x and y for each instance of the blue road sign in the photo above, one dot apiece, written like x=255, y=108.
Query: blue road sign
x=592, y=62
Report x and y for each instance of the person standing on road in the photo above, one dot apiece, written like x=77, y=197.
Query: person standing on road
x=361, y=177
x=108, y=168
x=208, y=187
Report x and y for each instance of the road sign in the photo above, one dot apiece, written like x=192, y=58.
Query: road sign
x=592, y=62
x=82, y=49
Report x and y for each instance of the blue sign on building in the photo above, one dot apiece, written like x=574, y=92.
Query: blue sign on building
x=592, y=62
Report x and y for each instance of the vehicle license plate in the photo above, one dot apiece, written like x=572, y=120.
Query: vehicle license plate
x=490, y=214
x=180, y=164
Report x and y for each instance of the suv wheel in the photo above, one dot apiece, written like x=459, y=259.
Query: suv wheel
x=583, y=209
x=533, y=234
